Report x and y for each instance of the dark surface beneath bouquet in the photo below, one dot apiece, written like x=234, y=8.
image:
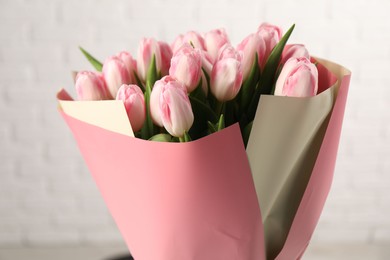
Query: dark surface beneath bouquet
x=123, y=257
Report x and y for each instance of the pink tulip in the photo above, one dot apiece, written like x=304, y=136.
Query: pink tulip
x=294, y=51
x=130, y=63
x=146, y=49
x=298, y=78
x=166, y=56
x=195, y=39
x=214, y=40
x=207, y=62
x=155, y=99
x=271, y=35
x=226, y=76
x=177, y=43
x=186, y=66
x=91, y=86
x=115, y=74
x=251, y=45
x=134, y=102
x=175, y=108
x=228, y=51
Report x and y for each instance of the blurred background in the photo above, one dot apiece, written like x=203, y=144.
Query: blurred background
x=49, y=204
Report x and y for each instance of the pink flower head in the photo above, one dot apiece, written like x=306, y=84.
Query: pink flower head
x=177, y=43
x=115, y=74
x=175, y=108
x=186, y=66
x=195, y=39
x=91, y=86
x=214, y=40
x=155, y=99
x=166, y=56
x=134, y=102
x=298, y=78
x=294, y=51
x=251, y=45
x=146, y=49
x=228, y=51
x=271, y=35
x=130, y=63
x=226, y=76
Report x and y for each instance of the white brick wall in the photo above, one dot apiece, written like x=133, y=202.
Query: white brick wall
x=46, y=192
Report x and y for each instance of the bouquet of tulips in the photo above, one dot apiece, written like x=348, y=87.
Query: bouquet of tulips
x=203, y=150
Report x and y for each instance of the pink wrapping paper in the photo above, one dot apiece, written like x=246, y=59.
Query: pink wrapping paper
x=198, y=200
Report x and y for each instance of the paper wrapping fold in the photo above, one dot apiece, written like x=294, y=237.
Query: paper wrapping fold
x=198, y=200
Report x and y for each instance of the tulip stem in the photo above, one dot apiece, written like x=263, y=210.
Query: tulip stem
x=218, y=108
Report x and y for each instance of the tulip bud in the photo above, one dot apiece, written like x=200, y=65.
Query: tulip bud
x=155, y=99
x=294, y=51
x=228, y=51
x=207, y=62
x=146, y=49
x=134, y=102
x=166, y=56
x=175, y=108
x=177, y=43
x=226, y=76
x=91, y=86
x=115, y=74
x=214, y=40
x=130, y=63
x=251, y=45
x=271, y=35
x=298, y=78
x=186, y=66
x=195, y=39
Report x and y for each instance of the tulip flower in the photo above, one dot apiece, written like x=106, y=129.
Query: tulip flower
x=91, y=86
x=271, y=35
x=115, y=74
x=134, y=102
x=166, y=56
x=130, y=63
x=207, y=62
x=195, y=39
x=294, y=51
x=146, y=49
x=186, y=66
x=226, y=76
x=214, y=40
x=251, y=45
x=298, y=78
x=177, y=43
x=175, y=108
x=155, y=99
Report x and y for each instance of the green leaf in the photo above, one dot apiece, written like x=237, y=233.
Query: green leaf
x=147, y=128
x=249, y=86
x=221, y=123
x=161, y=138
x=95, y=63
x=272, y=64
x=211, y=126
x=185, y=138
x=152, y=75
x=268, y=76
x=139, y=82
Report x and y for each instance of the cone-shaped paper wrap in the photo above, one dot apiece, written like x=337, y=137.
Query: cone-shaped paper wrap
x=198, y=200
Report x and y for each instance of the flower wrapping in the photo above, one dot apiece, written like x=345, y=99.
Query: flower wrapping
x=211, y=199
